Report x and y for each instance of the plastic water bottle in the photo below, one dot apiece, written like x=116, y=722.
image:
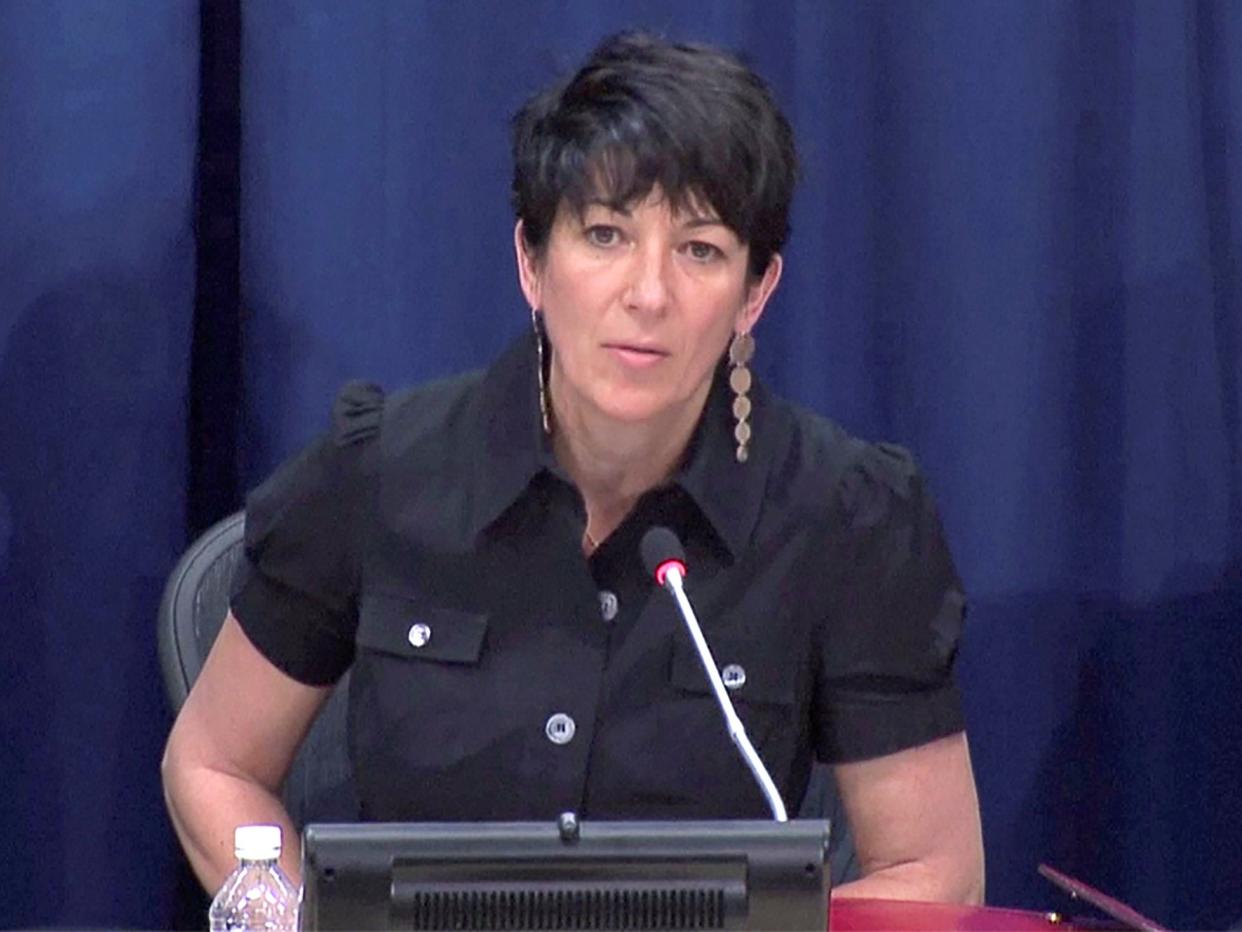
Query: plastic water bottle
x=258, y=894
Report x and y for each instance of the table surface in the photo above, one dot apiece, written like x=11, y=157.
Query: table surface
x=867, y=915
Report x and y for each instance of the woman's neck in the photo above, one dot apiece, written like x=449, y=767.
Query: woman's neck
x=613, y=463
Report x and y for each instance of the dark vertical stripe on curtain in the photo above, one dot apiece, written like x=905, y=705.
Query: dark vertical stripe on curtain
x=215, y=383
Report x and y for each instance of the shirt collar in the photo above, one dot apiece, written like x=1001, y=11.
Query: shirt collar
x=514, y=449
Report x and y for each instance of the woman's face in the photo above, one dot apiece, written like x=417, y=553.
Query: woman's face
x=639, y=305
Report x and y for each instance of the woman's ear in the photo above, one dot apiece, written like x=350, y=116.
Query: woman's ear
x=527, y=267
x=757, y=294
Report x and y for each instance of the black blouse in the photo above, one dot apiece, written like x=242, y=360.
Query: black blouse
x=431, y=543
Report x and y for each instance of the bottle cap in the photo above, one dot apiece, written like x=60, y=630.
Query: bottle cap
x=257, y=842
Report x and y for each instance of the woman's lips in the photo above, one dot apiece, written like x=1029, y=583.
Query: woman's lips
x=636, y=357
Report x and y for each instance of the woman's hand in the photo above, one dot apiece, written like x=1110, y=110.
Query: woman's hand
x=229, y=751
x=915, y=822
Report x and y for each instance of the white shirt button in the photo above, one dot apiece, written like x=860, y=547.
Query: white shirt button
x=608, y=604
x=733, y=676
x=560, y=728
x=419, y=634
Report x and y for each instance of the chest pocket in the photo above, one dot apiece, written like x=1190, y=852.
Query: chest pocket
x=758, y=680
x=764, y=697
x=751, y=675
x=399, y=627
x=416, y=704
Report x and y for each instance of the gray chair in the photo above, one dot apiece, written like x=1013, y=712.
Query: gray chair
x=320, y=786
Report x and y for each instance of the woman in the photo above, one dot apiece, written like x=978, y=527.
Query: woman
x=470, y=548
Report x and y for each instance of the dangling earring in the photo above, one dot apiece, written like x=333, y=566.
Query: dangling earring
x=545, y=410
x=741, y=351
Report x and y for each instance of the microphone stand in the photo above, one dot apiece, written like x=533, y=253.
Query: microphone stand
x=672, y=581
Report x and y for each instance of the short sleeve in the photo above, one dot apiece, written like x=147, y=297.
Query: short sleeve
x=890, y=637
x=296, y=591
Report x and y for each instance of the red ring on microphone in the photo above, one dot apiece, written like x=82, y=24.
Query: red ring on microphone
x=663, y=568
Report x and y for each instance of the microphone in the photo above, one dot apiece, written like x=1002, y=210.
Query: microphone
x=665, y=559
x=662, y=551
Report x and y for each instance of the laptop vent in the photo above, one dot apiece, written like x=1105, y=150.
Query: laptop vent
x=566, y=906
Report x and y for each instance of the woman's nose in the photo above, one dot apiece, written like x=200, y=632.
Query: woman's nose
x=648, y=289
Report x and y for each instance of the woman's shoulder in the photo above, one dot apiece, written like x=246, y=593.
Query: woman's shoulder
x=356, y=413
x=422, y=418
x=362, y=410
x=844, y=473
x=370, y=425
x=334, y=476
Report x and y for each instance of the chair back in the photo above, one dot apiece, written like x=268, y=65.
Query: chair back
x=319, y=787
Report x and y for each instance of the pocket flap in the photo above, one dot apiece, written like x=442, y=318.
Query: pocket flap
x=757, y=676
x=402, y=627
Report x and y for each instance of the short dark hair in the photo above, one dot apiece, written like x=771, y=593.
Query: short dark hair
x=643, y=112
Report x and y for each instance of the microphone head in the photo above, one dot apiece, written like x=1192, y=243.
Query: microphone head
x=660, y=547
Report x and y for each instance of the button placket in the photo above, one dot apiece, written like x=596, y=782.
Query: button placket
x=608, y=604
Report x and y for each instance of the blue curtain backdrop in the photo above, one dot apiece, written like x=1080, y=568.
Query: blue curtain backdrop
x=98, y=106
x=1015, y=250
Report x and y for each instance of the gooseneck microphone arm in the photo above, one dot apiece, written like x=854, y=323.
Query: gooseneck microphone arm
x=665, y=559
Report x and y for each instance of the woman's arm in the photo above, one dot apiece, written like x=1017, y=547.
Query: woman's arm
x=229, y=751
x=915, y=822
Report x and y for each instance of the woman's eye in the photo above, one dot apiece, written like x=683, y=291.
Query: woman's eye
x=703, y=252
x=601, y=235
